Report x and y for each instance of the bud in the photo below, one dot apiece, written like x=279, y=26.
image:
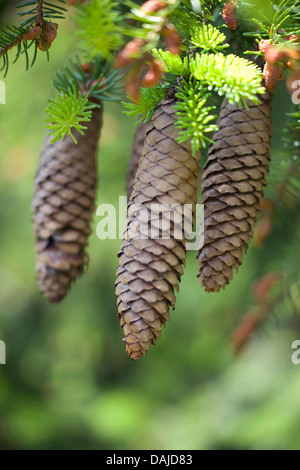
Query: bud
x=229, y=14
x=130, y=52
x=172, y=38
x=154, y=74
x=264, y=45
x=293, y=38
x=291, y=63
x=274, y=54
x=133, y=82
x=246, y=328
x=86, y=67
x=267, y=206
x=33, y=33
x=262, y=230
x=153, y=6
x=262, y=288
x=272, y=74
x=48, y=36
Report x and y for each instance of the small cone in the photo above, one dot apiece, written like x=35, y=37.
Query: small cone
x=63, y=204
x=137, y=150
x=232, y=187
x=151, y=268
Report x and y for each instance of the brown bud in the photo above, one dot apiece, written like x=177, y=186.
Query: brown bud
x=133, y=82
x=272, y=74
x=263, y=287
x=245, y=330
x=48, y=36
x=229, y=14
x=274, y=54
x=291, y=63
x=86, y=67
x=293, y=38
x=262, y=230
x=33, y=33
x=264, y=45
x=154, y=74
x=130, y=52
x=153, y=6
x=267, y=206
x=172, y=38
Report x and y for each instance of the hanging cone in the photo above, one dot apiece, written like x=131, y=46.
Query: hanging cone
x=137, y=150
x=63, y=204
x=232, y=187
x=150, y=269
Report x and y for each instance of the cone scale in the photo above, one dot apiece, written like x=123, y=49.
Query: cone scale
x=150, y=269
x=137, y=150
x=63, y=204
x=232, y=187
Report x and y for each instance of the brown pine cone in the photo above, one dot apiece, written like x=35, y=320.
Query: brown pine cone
x=150, y=269
x=63, y=204
x=137, y=150
x=232, y=187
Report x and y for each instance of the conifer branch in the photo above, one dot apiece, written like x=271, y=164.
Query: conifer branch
x=35, y=31
x=78, y=90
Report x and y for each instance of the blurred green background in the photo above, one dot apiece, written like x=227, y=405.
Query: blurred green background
x=68, y=383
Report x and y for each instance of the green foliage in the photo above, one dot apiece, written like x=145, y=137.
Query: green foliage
x=35, y=10
x=194, y=118
x=173, y=63
x=37, y=13
x=66, y=387
x=272, y=19
x=208, y=38
x=11, y=36
x=208, y=5
x=66, y=112
x=186, y=20
x=236, y=78
x=295, y=120
x=149, y=100
x=101, y=81
x=99, y=28
x=75, y=90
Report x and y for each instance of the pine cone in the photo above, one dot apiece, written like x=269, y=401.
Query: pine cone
x=63, y=203
x=232, y=187
x=137, y=150
x=150, y=269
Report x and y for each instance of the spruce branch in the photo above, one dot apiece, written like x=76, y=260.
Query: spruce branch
x=40, y=12
x=100, y=31
x=194, y=118
x=65, y=114
x=173, y=63
x=295, y=120
x=272, y=19
x=236, y=78
x=208, y=38
x=149, y=100
x=35, y=31
x=78, y=88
